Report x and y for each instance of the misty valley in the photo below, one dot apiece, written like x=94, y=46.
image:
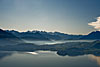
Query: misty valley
x=48, y=49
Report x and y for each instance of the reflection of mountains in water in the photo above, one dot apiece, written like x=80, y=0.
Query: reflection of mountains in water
x=96, y=57
x=71, y=49
x=5, y=54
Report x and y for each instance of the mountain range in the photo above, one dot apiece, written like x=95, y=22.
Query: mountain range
x=43, y=35
x=7, y=38
x=93, y=35
x=13, y=41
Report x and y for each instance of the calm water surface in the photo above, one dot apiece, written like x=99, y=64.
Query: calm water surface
x=46, y=59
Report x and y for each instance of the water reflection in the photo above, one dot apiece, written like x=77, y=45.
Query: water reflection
x=39, y=58
x=96, y=58
x=58, y=53
x=4, y=54
x=33, y=53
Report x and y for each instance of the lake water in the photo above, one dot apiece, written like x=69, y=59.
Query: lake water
x=46, y=59
x=56, y=42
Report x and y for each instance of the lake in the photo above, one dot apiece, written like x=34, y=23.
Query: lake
x=46, y=59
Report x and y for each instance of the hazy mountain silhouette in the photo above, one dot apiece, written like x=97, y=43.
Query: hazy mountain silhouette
x=60, y=36
x=92, y=35
x=7, y=38
x=4, y=34
x=29, y=35
x=42, y=35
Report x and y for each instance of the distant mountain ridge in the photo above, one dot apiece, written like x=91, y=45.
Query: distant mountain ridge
x=4, y=34
x=28, y=35
x=42, y=35
x=7, y=38
x=92, y=35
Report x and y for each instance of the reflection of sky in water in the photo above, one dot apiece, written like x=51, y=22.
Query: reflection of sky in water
x=33, y=53
x=47, y=59
x=96, y=58
x=56, y=42
x=43, y=53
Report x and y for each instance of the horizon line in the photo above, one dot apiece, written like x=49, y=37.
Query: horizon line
x=46, y=31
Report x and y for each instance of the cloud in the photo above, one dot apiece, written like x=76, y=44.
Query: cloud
x=96, y=24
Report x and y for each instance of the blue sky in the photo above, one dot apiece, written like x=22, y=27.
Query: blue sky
x=68, y=16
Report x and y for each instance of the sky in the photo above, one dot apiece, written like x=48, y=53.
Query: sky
x=66, y=16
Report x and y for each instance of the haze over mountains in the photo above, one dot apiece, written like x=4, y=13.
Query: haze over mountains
x=13, y=41
x=43, y=35
x=7, y=38
x=14, y=37
x=92, y=35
